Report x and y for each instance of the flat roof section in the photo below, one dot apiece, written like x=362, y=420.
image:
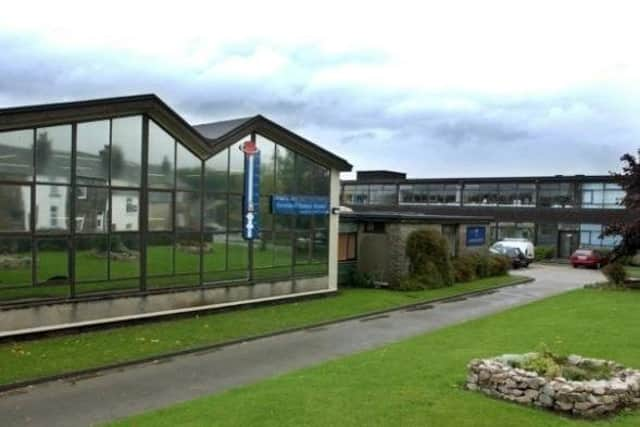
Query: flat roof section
x=394, y=216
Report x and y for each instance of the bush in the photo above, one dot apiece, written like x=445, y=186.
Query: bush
x=545, y=252
x=430, y=262
x=615, y=273
x=498, y=265
x=358, y=279
x=464, y=268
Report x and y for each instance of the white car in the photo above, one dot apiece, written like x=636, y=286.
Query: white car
x=524, y=245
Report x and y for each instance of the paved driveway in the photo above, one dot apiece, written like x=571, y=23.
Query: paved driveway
x=142, y=388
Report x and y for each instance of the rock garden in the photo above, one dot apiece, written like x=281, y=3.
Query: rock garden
x=572, y=385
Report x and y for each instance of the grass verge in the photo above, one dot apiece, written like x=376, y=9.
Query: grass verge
x=29, y=360
x=419, y=381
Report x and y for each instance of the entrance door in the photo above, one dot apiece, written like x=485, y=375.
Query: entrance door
x=567, y=243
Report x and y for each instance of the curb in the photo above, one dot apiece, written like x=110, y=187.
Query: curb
x=92, y=372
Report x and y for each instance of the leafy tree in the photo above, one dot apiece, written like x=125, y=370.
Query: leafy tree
x=629, y=230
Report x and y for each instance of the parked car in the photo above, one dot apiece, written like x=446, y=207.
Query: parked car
x=588, y=258
x=524, y=245
x=518, y=259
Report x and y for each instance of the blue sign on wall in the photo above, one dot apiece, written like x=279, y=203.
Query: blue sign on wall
x=251, y=200
x=299, y=205
x=476, y=236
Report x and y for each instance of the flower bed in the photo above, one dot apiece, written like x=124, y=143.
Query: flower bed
x=504, y=377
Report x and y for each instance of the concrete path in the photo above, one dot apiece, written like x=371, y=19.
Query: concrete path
x=142, y=388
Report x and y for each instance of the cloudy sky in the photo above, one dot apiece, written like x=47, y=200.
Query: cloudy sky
x=446, y=88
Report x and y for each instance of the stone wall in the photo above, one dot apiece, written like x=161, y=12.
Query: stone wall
x=496, y=377
x=397, y=235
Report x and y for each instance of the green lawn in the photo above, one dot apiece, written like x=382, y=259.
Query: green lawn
x=418, y=382
x=33, y=359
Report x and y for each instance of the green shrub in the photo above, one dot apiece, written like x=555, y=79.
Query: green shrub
x=615, y=273
x=544, y=365
x=464, y=268
x=358, y=279
x=498, y=265
x=430, y=262
x=545, y=252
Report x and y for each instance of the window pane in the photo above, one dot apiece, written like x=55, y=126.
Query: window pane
x=285, y=173
x=303, y=247
x=92, y=206
x=159, y=254
x=125, y=255
x=124, y=210
x=15, y=202
x=52, y=208
x=263, y=250
x=189, y=169
x=282, y=246
x=16, y=155
x=267, y=165
x=53, y=154
x=236, y=168
x=91, y=258
x=126, y=151
x=161, y=157
x=188, y=248
x=15, y=262
x=266, y=218
x=52, y=262
x=216, y=171
x=215, y=212
x=92, y=158
x=304, y=172
x=320, y=246
x=160, y=211
x=187, y=211
x=235, y=213
x=238, y=252
x=215, y=252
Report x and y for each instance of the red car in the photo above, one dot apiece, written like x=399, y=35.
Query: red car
x=587, y=258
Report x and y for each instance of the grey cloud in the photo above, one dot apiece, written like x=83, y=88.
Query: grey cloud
x=345, y=119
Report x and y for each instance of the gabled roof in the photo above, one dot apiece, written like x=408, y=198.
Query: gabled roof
x=215, y=130
x=204, y=140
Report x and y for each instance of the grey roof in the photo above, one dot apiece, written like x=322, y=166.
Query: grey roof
x=214, y=130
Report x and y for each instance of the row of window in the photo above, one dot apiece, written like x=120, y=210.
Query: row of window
x=555, y=195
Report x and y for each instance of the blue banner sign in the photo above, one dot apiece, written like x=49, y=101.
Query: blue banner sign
x=251, y=200
x=299, y=205
x=476, y=236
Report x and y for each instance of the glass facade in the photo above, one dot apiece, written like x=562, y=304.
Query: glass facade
x=591, y=237
x=108, y=211
x=602, y=195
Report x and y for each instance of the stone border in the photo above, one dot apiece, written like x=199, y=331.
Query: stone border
x=497, y=377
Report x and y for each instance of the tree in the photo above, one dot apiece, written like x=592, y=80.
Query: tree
x=629, y=230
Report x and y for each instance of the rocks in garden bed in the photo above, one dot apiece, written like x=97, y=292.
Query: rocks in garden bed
x=194, y=248
x=498, y=377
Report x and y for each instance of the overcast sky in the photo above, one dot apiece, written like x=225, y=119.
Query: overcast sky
x=448, y=88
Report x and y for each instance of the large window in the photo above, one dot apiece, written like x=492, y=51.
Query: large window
x=521, y=230
x=432, y=194
x=591, y=237
x=557, y=195
x=602, y=195
x=480, y=194
x=355, y=194
x=517, y=194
